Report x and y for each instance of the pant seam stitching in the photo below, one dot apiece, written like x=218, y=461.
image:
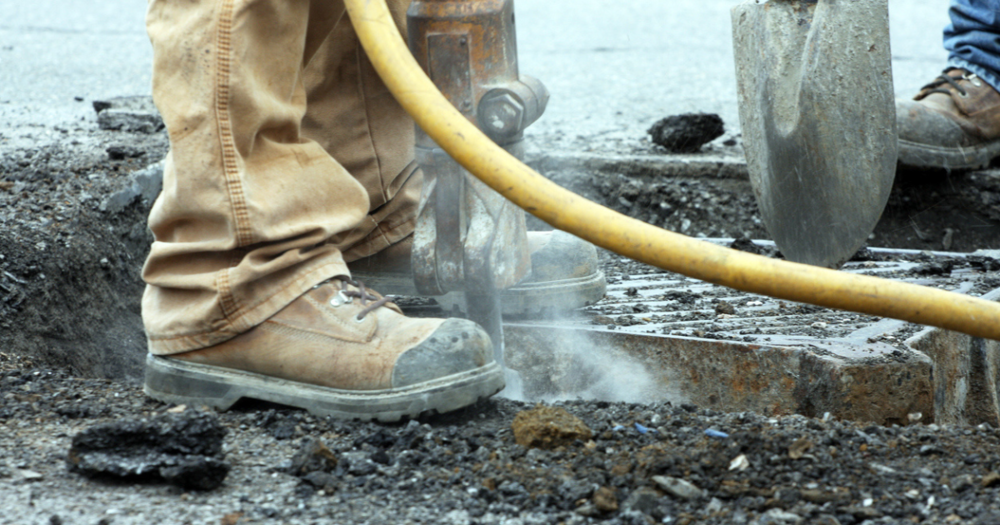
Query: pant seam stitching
x=230, y=166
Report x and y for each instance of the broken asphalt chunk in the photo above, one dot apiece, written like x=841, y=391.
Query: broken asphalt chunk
x=181, y=449
x=686, y=133
x=136, y=114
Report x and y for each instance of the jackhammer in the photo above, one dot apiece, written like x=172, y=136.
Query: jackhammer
x=468, y=237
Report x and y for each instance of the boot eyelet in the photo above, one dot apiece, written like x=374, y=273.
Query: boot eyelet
x=963, y=94
x=359, y=320
x=340, y=299
x=974, y=79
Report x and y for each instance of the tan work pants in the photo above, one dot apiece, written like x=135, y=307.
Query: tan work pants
x=288, y=157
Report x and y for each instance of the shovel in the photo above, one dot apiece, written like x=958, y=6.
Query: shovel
x=819, y=123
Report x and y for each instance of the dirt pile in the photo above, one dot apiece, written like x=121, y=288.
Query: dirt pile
x=72, y=240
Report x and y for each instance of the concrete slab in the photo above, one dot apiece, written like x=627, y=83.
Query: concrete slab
x=966, y=375
x=732, y=351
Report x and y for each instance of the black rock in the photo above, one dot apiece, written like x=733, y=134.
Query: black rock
x=319, y=479
x=124, y=152
x=686, y=133
x=381, y=457
x=644, y=500
x=182, y=449
x=982, y=263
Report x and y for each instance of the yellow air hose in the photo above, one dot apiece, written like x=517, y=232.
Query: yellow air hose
x=635, y=239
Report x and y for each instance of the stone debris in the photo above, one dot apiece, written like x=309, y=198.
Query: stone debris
x=548, y=427
x=678, y=488
x=739, y=463
x=605, y=499
x=133, y=114
x=182, y=449
x=145, y=186
x=687, y=133
x=778, y=517
x=799, y=448
x=644, y=500
x=313, y=456
x=991, y=479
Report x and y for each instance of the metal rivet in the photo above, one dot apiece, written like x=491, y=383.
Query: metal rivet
x=340, y=299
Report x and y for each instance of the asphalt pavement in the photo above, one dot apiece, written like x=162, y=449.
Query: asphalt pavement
x=613, y=68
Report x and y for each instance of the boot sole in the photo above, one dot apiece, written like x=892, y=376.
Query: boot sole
x=918, y=155
x=523, y=299
x=179, y=382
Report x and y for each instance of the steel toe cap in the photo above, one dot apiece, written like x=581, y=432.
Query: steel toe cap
x=920, y=123
x=457, y=346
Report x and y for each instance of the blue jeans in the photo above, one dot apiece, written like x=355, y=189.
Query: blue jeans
x=973, y=38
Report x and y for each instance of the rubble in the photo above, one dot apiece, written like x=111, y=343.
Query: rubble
x=468, y=467
x=678, y=488
x=132, y=114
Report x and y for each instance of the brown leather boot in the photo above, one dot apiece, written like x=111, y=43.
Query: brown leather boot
x=953, y=123
x=339, y=350
x=564, y=275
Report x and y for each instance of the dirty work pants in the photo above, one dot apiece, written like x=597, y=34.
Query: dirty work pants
x=973, y=38
x=288, y=157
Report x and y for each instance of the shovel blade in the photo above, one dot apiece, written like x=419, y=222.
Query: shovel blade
x=814, y=81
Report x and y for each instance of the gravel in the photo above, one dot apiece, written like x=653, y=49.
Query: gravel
x=467, y=467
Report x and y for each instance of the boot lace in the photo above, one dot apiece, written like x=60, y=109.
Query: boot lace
x=351, y=289
x=937, y=86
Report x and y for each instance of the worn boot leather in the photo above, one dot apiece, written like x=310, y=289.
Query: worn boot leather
x=344, y=337
x=953, y=123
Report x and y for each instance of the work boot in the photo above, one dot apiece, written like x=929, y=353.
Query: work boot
x=340, y=350
x=953, y=123
x=564, y=275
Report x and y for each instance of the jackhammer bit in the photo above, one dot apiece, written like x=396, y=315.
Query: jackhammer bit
x=469, y=238
x=814, y=81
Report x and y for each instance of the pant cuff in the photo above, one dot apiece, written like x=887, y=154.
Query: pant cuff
x=987, y=75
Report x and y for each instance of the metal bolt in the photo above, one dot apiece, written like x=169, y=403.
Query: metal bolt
x=501, y=114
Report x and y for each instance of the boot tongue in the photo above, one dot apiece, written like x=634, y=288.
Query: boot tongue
x=940, y=102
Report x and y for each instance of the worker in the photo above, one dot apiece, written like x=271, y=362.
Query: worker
x=954, y=122
x=290, y=163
